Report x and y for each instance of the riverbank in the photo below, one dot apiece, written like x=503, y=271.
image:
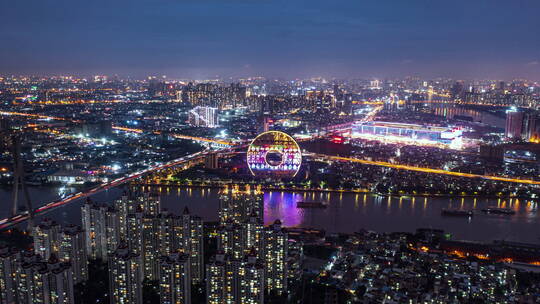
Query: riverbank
x=347, y=212
x=353, y=191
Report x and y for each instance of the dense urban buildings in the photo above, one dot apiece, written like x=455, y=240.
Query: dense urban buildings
x=415, y=134
x=174, y=278
x=387, y=137
x=265, y=152
x=204, y=117
x=251, y=260
x=514, y=124
x=125, y=275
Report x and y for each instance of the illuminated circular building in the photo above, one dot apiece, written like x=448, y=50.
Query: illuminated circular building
x=274, y=154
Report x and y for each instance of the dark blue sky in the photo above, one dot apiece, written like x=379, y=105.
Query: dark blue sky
x=286, y=38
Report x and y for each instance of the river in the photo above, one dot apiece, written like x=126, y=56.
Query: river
x=347, y=212
x=476, y=115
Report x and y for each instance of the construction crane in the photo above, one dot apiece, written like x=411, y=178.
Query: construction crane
x=10, y=141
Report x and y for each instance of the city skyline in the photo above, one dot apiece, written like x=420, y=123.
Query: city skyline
x=267, y=191
x=483, y=39
x=269, y=152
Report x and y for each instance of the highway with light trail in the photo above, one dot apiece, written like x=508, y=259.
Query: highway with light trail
x=124, y=129
x=8, y=222
x=426, y=170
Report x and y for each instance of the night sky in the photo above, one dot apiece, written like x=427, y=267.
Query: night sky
x=289, y=38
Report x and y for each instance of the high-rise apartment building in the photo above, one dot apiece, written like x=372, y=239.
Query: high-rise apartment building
x=44, y=282
x=132, y=202
x=251, y=275
x=238, y=239
x=222, y=280
x=175, y=279
x=46, y=238
x=252, y=233
x=253, y=260
x=202, y=116
x=531, y=127
x=275, y=249
x=170, y=233
x=125, y=276
x=27, y=263
x=231, y=281
x=102, y=227
x=8, y=275
x=125, y=205
x=73, y=250
x=193, y=241
x=150, y=203
x=60, y=281
x=230, y=239
x=134, y=236
x=514, y=124
x=150, y=246
x=211, y=161
x=240, y=206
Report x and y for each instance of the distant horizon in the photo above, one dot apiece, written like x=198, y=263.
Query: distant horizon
x=484, y=39
x=238, y=78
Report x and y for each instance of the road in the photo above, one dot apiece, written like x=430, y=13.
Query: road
x=8, y=222
x=5, y=223
x=426, y=170
x=223, y=143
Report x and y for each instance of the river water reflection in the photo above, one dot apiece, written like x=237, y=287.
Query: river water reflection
x=485, y=117
x=347, y=212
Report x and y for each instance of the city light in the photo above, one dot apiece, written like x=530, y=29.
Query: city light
x=274, y=153
x=228, y=152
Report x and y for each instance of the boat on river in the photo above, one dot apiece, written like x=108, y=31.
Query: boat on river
x=457, y=212
x=495, y=210
x=317, y=205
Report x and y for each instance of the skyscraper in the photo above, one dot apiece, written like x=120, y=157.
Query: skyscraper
x=134, y=237
x=202, y=116
x=222, y=280
x=150, y=246
x=44, y=282
x=102, y=228
x=514, y=124
x=73, y=250
x=125, y=276
x=457, y=90
x=8, y=275
x=170, y=233
x=59, y=281
x=240, y=206
x=27, y=262
x=230, y=280
x=46, y=238
x=275, y=246
x=175, y=279
x=238, y=239
x=193, y=240
x=230, y=239
x=338, y=94
x=251, y=275
x=531, y=127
